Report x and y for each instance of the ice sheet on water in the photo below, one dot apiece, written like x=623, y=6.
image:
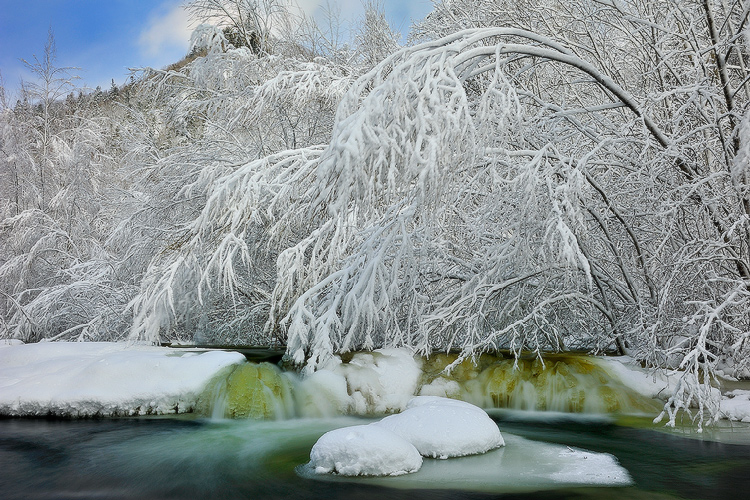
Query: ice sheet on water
x=520, y=465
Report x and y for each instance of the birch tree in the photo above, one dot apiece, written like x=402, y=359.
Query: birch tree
x=56, y=277
x=52, y=83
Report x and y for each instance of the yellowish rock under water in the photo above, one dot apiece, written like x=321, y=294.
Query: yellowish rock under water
x=556, y=382
x=252, y=390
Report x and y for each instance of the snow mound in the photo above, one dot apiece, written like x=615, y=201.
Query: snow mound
x=442, y=428
x=364, y=450
x=81, y=379
x=649, y=383
x=735, y=405
x=379, y=382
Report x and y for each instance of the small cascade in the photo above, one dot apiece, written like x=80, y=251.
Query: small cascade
x=250, y=390
x=557, y=382
x=379, y=383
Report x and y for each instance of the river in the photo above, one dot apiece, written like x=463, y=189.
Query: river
x=197, y=458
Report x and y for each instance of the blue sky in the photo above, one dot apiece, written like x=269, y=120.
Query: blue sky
x=105, y=37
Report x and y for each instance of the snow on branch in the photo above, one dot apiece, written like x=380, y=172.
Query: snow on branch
x=424, y=209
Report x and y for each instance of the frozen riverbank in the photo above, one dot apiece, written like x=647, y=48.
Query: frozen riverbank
x=109, y=379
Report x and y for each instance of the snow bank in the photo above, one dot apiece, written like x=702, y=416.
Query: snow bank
x=652, y=384
x=104, y=378
x=10, y=342
x=443, y=428
x=364, y=450
x=86, y=379
x=735, y=405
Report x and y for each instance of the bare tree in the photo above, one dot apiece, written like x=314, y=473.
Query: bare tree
x=247, y=23
x=51, y=85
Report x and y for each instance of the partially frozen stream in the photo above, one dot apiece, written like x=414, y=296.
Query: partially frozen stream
x=180, y=458
x=574, y=427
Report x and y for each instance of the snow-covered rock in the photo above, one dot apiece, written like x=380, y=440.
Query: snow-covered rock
x=430, y=426
x=442, y=387
x=649, y=383
x=322, y=394
x=735, y=405
x=379, y=382
x=104, y=378
x=364, y=450
x=442, y=428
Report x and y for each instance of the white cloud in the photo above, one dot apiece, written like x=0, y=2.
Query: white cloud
x=309, y=6
x=167, y=31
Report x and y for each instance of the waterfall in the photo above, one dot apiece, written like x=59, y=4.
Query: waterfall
x=249, y=390
x=380, y=382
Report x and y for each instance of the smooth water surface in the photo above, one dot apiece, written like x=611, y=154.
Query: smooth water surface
x=163, y=458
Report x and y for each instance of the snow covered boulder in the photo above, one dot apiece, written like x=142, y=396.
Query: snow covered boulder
x=442, y=428
x=364, y=450
x=83, y=379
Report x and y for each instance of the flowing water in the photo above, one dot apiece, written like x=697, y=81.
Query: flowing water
x=562, y=383
x=253, y=431
x=170, y=458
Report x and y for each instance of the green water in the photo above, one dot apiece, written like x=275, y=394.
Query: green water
x=167, y=458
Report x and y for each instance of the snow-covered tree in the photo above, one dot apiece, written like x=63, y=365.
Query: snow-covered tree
x=226, y=110
x=527, y=177
x=56, y=277
x=52, y=83
x=245, y=23
x=375, y=40
x=530, y=176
